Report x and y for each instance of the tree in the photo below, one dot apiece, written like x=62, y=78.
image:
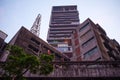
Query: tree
x=19, y=62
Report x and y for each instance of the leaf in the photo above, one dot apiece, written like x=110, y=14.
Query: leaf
x=19, y=62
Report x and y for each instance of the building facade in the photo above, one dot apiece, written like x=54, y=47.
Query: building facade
x=64, y=19
x=85, y=41
x=32, y=44
x=91, y=43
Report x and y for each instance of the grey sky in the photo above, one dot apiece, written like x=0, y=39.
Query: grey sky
x=17, y=13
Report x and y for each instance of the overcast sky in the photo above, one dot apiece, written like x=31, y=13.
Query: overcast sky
x=17, y=13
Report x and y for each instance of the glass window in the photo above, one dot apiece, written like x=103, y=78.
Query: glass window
x=86, y=33
x=33, y=48
x=82, y=28
x=35, y=41
x=64, y=49
x=62, y=45
x=90, y=52
x=88, y=41
x=57, y=9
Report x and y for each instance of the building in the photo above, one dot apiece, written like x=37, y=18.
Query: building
x=2, y=42
x=64, y=19
x=80, y=42
x=91, y=43
x=63, y=70
x=33, y=45
x=93, y=54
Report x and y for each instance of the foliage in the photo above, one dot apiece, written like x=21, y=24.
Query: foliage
x=19, y=62
x=46, y=67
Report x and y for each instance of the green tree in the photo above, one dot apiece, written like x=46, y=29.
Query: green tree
x=19, y=62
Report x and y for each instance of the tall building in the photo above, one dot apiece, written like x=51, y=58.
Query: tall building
x=81, y=42
x=64, y=19
x=91, y=43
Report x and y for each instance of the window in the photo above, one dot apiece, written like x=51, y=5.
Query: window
x=67, y=9
x=82, y=28
x=57, y=9
x=63, y=45
x=90, y=52
x=88, y=41
x=33, y=48
x=86, y=33
x=35, y=41
x=64, y=49
x=98, y=59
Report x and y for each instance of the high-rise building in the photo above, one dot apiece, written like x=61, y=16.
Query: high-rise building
x=91, y=43
x=64, y=20
x=81, y=42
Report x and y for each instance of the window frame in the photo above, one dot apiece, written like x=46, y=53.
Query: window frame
x=83, y=27
x=90, y=52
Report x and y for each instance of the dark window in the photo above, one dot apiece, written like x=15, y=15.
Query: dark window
x=90, y=52
x=57, y=9
x=33, y=48
x=82, y=28
x=85, y=34
x=35, y=41
x=98, y=59
x=88, y=41
x=67, y=9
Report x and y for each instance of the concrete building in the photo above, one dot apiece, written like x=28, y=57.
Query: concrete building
x=91, y=43
x=33, y=45
x=92, y=52
x=80, y=42
x=2, y=41
x=64, y=19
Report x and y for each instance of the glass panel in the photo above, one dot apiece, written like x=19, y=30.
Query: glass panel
x=82, y=28
x=90, y=52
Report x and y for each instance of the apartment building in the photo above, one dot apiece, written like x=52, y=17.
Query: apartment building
x=91, y=43
x=84, y=41
x=64, y=19
x=32, y=44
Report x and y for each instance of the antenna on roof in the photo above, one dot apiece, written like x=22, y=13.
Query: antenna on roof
x=35, y=29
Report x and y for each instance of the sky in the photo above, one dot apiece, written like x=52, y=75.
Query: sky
x=17, y=13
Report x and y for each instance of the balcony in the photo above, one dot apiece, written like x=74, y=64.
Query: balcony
x=59, y=32
x=59, y=35
x=101, y=29
x=60, y=38
x=105, y=38
x=62, y=28
x=65, y=24
x=63, y=11
x=106, y=44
